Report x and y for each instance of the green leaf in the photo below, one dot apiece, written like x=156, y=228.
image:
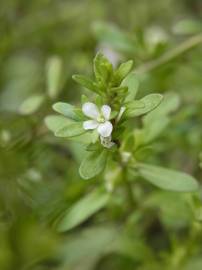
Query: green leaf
x=54, y=76
x=148, y=103
x=71, y=129
x=132, y=83
x=122, y=90
x=83, y=209
x=169, y=104
x=94, y=136
x=84, y=99
x=175, y=211
x=31, y=104
x=135, y=107
x=122, y=71
x=93, y=164
x=155, y=128
x=83, y=249
x=167, y=179
x=22, y=76
x=67, y=110
x=56, y=122
x=102, y=68
x=85, y=82
x=128, y=143
x=187, y=27
x=157, y=121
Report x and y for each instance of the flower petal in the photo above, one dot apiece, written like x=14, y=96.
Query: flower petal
x=106, y=111
x=105, y=129
x=90, y=124
x=90, y=110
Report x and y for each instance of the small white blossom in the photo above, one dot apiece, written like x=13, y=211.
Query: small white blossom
x=99, y=119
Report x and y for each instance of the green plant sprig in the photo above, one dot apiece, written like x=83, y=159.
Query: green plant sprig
x=102, y=124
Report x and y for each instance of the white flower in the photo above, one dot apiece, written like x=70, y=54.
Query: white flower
x=99, y=119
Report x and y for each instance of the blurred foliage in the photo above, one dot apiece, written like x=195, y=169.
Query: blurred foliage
x=39, y=178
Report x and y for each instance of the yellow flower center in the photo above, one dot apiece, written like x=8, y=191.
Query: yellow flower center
x=101, y=119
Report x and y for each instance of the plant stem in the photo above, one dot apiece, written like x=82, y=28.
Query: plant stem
x=130, y=194
x=129, y=190
x=126, y=183
x=169, y=55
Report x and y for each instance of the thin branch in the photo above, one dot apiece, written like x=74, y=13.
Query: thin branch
x=173, y=53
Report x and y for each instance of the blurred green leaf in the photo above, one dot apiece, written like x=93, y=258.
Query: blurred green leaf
x=187, y=27
x=56, y=122
x=67, y=110
x=54, y=76
x=102, y=68
x=156, y=121
x=153, y=129
x=83, y=209
x=82, y=250
x=131, y=81
x=174, y=211
x=168, y=179
x=93, y=163
x=144, y=105
x=71, y=129
x=169, y=104
x=122, y=71
x=86, y=82
x=22, y=76
x=31, y=104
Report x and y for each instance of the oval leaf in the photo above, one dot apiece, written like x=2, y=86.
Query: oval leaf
x=93, y=164
x=150, y=103
x=31, y=104
x=67, y=110
x=54, y=76
x=56, y=122
x=102, y=67
x=71, y=129
x=85, y=82
x=132, y=83
x=83, y=209
x=168, y=179
x=169, y=104
x=122, y=71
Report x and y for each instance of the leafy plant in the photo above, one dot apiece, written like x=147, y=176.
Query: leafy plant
x=139, y=205
x=112, y=139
